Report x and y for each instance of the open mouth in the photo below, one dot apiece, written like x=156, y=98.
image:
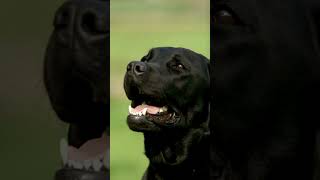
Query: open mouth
x=154, y=110
x=92, y=156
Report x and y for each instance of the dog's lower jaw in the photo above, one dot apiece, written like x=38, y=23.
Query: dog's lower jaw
x=90, y=161
x=65, y=174
x=178, y=157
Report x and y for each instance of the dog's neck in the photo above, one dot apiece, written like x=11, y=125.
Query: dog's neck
x=182, y=152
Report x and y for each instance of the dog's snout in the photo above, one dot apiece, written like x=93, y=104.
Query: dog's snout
x=63, y=18
x=129, y=67
x=139, y=68
x=80, y=20
x=90, y=23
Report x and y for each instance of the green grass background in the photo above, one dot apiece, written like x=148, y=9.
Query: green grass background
x=137, y=26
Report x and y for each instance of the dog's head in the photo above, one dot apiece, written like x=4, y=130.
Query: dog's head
x=77, y=62
x=168, y=88
x=76, y=78
x=263, y=56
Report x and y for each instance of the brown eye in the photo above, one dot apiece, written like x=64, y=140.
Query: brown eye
x=177, y=67
x=224, y=17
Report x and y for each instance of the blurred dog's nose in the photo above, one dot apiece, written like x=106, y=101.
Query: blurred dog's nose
x=138, y=68
x=91, y=23
x=64, y=17
x=80, y=20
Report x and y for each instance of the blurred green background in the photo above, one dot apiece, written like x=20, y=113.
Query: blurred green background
x=137, y=26
x=29, y=130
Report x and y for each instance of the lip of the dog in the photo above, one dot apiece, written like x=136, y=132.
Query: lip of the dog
x=81, y=174
x=147, y=122
x=82, y=82
x=144, y=124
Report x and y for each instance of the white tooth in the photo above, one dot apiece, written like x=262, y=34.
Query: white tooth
x=130, y=109
x=97, y=165
x=165, y=108
x=64, y=150
x=140, y=113
x=144, y=111
x=87, y=164
x=106, y=159
x=77, y=165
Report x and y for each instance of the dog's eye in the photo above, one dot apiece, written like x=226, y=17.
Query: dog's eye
x=180, y=66
x=176, y=65
x=224, y=17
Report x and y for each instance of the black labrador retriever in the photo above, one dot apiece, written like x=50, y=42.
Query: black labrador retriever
x=265, y=85
x=76, y=78
x=170, y=105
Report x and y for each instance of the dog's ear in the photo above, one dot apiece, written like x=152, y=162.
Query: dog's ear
x=208, y=64
x=210, y=73
x=208, y=67
x=210, y=70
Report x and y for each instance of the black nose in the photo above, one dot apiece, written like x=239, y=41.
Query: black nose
x=80, y=20
x=138, y=68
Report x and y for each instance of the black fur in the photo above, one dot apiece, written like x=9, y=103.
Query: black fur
x=179, y=149
x=76, y=70
x=265, y=87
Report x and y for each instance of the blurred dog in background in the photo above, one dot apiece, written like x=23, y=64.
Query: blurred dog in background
x=76, y=74
x=265, y=87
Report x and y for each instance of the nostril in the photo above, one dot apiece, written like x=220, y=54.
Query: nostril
x=91, y=24
x=62, y=19
x=129, y=67
x=139, y=68
x=88, y=22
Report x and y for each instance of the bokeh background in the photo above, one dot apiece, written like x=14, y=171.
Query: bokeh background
x=29, y=130
x=137, y=26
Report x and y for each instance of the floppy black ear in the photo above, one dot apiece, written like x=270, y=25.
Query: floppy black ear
x=209, y=67
x=207, y=62
x=210, y=76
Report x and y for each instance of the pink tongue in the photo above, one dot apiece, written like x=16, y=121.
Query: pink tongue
x=91, y=149
x=150, y=110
